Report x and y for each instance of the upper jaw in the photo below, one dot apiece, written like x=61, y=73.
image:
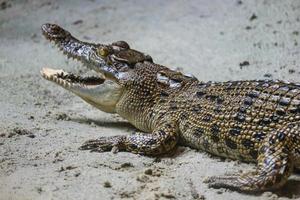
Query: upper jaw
x=113, y=61
x=76, y=49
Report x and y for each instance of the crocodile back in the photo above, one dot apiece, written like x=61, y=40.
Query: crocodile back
x=231, y=119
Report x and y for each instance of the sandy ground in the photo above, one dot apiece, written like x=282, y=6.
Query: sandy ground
x=42, y=125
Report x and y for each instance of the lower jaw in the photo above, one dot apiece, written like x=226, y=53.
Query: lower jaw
x=67, y=80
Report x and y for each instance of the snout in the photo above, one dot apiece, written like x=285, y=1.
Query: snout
x=53, y=32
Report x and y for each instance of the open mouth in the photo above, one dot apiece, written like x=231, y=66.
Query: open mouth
x=72, y=48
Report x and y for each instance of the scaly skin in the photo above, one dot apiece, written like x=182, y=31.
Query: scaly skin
x=253, y=121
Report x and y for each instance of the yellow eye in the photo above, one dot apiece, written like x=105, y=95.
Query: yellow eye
x=103, y=51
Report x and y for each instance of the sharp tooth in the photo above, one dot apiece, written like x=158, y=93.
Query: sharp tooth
x=43, y=74
x=59, y=81
x=66, y=84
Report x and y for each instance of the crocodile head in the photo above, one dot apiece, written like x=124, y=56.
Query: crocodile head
x=112, y=62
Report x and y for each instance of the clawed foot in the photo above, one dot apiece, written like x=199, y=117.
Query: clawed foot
x=233, y=182
x=228, y=181
x=103, y=144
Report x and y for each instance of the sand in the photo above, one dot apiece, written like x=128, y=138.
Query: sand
x=42, y=125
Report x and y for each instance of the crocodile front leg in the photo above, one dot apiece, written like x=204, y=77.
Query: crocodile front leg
x=160, y=141
x=276, y=160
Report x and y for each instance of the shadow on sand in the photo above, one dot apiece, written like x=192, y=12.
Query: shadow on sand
x=291, y=189
x=123, y=125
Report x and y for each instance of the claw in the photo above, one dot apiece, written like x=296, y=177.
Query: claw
x=103, y=144
x=115, y=149
x=99, y=150
x=230, y=182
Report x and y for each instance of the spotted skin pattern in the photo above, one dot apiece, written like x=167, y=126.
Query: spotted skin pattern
x=252, y=121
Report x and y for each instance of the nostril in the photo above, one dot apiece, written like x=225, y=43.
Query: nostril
x=53, y=31
x=50, y=27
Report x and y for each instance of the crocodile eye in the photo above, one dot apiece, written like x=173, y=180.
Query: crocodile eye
x=103, y=51
x=121, y=44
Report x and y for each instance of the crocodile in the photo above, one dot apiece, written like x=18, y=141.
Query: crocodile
x=254, y=121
